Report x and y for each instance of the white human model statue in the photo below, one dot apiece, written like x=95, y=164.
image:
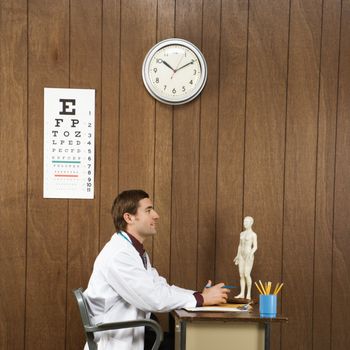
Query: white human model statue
x=248, y=244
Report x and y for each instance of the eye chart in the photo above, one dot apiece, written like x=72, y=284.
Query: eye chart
x=69, y=143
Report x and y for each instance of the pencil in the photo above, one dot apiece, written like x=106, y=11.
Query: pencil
x=274, y=292
x=262, y=287
x=258, y=288
x=268, y=287
x=279, y=288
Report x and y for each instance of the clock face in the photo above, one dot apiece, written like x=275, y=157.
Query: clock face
x=174, y=71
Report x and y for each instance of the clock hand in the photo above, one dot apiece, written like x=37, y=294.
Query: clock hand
x=185, y=65
x=166, y=63
x=178, y=63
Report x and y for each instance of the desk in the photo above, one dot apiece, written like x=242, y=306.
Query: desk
x=219, y=330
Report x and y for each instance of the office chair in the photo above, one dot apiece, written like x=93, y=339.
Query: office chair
x=89, y=328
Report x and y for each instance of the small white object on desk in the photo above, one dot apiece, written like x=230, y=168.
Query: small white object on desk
x=215, y=308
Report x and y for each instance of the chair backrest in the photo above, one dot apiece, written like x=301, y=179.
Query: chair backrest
x=85, y=318
x=83, y=309
x=90, y=328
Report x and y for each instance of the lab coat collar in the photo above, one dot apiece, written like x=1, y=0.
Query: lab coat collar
x=136, y=243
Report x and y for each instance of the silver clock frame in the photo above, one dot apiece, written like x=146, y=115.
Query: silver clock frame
x=148, y=83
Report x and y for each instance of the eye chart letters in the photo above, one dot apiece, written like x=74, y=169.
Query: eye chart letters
x=69, y=143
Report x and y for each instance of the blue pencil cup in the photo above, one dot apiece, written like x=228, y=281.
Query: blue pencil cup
x=268, y=305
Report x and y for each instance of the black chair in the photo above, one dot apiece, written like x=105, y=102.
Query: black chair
x=90, y=328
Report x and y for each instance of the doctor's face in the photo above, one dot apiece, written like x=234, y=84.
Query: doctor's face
x=145, y=220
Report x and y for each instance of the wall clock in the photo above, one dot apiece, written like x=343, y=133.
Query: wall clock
x=174, y=71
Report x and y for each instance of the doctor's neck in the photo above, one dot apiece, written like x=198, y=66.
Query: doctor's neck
x=135, y=234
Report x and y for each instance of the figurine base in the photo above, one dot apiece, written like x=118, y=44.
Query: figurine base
x=241, y=301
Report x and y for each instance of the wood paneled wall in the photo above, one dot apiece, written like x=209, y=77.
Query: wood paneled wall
x=269, y=137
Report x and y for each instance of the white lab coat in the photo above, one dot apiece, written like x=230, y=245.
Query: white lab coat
x=120, y=289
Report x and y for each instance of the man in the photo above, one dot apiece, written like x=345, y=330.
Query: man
x=124, y=286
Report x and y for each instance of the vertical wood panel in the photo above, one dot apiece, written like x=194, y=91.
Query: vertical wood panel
x=299, y=213
x=231, y=134
x=47, y=218
x=265, y=136
x=341, y=247
x=163, y=154
x=185, y=161
x=137, y=107
x=110, y=115
x=13, y=171
x=85, y=72
x=265, y=129
x=163, y=160
x=325, y=175
x=208, y=144
x=138, y=34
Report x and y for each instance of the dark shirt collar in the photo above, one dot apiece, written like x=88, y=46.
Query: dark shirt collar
x=136, y=243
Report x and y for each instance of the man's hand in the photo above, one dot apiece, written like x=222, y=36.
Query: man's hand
x=214, y=295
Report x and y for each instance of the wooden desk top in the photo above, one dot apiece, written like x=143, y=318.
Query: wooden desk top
x=250, y=316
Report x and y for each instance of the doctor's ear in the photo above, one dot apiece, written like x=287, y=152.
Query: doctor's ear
x=128, y=218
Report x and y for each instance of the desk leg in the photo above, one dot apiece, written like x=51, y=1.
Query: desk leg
x=182, y=335
x=267, y=335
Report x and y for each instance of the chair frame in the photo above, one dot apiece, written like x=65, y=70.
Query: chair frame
x=89, y=328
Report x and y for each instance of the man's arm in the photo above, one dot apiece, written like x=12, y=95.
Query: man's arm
x=128, y=277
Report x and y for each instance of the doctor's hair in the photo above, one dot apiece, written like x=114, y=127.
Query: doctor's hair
x=126, y=202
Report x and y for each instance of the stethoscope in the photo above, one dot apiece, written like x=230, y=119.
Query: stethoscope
x=144, y=259
x=125, y=237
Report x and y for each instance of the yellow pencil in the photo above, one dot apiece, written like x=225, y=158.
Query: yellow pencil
x=274, y=292
x=262, y=287
x=279, y=288
x=268, y=287
x=258, y=288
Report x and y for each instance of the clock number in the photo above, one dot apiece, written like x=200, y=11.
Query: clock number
x=173, y=91
x=191, y=82
x=155, y=70
x=164, y=87
x=183, y=89
x=194, y=72
x=157, y=80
